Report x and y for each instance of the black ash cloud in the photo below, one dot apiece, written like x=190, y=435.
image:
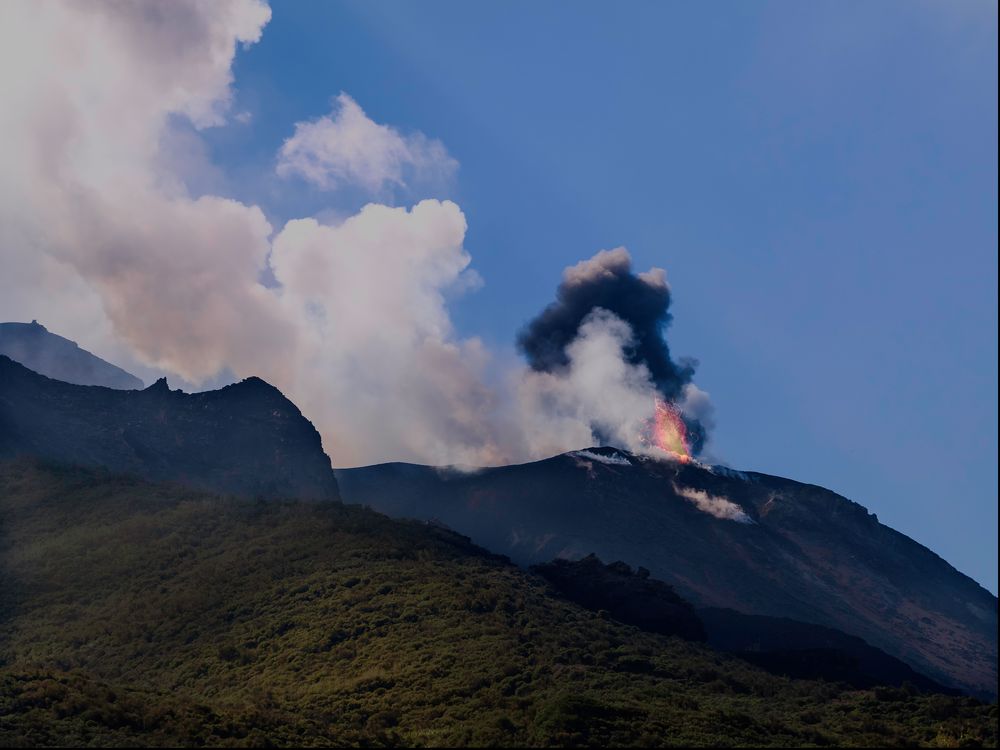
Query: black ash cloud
x=642, y=300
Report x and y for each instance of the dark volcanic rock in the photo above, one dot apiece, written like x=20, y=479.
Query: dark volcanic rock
x=33, y=346
x=246, y=438
x=628, y=596
x=800, y=552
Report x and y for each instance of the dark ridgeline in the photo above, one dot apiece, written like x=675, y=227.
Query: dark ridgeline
x=36, y=348
x=806, y=553
x=245, y=439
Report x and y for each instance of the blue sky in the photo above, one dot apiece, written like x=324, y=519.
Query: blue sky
x=819, y=180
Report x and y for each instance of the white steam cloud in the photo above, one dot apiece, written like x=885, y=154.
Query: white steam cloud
x=103, y=240
x=378, y=365
x=600, y=392
x=88, y=211
x=715, y=505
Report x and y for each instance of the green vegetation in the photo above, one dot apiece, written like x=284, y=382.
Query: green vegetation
x=149, y=615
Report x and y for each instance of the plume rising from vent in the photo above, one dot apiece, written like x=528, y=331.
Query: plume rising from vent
x=607, y=283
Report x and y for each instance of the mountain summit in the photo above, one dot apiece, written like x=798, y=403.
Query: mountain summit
x=246, y=438
x=35, y=347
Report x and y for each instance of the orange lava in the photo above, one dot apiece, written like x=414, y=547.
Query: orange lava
x=669, y=432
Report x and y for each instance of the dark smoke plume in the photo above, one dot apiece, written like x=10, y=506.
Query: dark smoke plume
x=641, y=300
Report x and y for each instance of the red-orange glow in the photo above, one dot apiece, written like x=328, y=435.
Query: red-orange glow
x=668, y=432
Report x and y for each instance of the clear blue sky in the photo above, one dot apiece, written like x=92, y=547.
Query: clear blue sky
x=818, y=179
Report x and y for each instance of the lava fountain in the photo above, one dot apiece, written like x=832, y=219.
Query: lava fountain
x=668, y=431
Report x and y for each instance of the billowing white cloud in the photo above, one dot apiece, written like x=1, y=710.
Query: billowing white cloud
x=379, y=366
x=102, y=241
x=86, y=200
x=110, y=234
x=348, y=148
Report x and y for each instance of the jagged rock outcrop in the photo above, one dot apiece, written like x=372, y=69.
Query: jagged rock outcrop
x=36, y=348
x=245, y=439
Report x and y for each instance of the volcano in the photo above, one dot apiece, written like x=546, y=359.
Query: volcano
x=49, y=354
x=756, y=543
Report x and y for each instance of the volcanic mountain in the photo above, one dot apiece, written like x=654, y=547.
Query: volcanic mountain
x=751, y=542
x=245, y=439
x=141, y=615
x=761, y=545
x=36, y=348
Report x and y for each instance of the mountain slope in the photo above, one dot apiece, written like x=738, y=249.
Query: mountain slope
x=36, y=348
x=773, y=547
x=150, y=615
x=246, y=438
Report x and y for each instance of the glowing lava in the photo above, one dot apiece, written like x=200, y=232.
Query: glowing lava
x=669, y=432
